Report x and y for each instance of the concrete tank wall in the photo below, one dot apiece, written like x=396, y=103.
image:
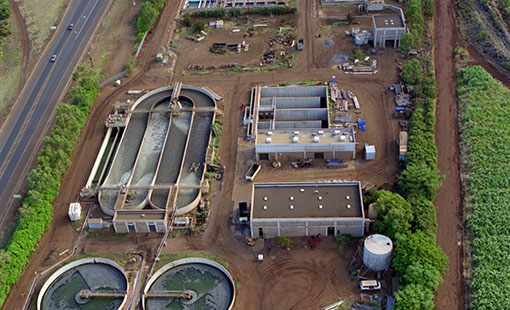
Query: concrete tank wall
x=301, y=115
x=377, y=252
x=298, y=102
x=294, y=91
x=74, y=264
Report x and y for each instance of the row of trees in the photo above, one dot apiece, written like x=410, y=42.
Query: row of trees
x=268, y=10
x=411, y=219
x=43, y=181
x=5, y=28
x=149, y=13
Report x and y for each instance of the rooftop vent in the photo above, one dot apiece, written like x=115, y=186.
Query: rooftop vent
x=296, y=132
x=265, y=198
x=319, y=198
x=316, y=139
x=348, y=206
x=320, y=132
x=301, y=190
x=268, y=140
x=342, y=138
x=316, y=191
x=347, y=197
x=264, y=207
x=291, y=207
x=143, y=215
x=295, y=139
x=269, y=133
x=291, y=198
x=320, y=206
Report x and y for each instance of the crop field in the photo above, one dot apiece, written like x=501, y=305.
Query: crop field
x=485, y=149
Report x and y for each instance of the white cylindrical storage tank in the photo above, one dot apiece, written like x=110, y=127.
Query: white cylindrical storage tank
x=377, y=252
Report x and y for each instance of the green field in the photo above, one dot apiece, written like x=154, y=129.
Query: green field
x=485, y=159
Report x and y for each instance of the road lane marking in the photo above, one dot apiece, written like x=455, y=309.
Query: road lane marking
x=20, y=133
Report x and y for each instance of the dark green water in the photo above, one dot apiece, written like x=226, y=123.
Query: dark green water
x=96, y=277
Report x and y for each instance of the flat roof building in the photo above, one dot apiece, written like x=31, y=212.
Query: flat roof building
x=306, y=209
x=289, y=123
x=388, y=27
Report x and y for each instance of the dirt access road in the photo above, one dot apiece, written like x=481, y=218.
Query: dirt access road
x=449, y=197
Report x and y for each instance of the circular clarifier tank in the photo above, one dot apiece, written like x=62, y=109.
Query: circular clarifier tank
x=91, y=283
x=192, y=284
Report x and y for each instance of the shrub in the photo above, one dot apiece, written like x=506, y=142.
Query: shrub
x=186, y=21
x=209, y=13
x=284, y=242
x=198, y=25
x=234, y=12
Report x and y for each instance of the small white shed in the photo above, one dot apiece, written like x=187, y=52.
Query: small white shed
x=369, y=152
x=74, y=211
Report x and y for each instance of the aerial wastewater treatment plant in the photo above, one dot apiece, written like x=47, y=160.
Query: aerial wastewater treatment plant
x=152, y=162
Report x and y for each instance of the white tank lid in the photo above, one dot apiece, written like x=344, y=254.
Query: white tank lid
x=378, y=244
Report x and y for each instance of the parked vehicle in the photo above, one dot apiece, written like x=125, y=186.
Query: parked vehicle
x=244, y=214
x=369, y=285
x=252, y=172
x=300, y=44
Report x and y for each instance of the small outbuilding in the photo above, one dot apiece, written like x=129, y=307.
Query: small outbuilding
x=74, y=211
x=369, y=152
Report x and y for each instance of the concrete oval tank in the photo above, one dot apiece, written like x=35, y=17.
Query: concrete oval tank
x=377, y=252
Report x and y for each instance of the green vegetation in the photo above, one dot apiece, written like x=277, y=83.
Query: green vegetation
x=198, y=25
x=149, y=13
x=209, y=13
x=334, y=25
x=43, y=181
x=350, y=17
x=272, y=10
x=284, y=242
x=485, y=140
x=5, y=12
x=234, y=13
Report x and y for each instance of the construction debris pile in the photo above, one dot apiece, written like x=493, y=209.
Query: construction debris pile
x=346, y=99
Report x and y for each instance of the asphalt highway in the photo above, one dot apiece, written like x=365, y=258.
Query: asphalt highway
x=23, y=131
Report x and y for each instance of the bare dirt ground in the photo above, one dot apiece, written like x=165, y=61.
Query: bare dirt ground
x=449, y=197
x=320, y=274
x=115, y=42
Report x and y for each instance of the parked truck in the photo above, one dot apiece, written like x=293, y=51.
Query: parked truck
x=402, y=145
x=252, y=172
x=244, y=213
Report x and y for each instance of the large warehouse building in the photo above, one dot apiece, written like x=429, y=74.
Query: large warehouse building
x=306, y=209
x=289, y=123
